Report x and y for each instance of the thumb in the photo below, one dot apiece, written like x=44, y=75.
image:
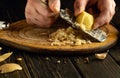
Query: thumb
x=79, y=6
x=54, y=5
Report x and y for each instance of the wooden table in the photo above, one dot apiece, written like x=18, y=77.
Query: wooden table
x=63, y=66
x=36, y=65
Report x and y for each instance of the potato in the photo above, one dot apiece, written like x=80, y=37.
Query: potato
x=85, y=19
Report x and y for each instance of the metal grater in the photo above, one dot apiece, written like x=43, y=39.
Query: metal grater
x=94, y=35
x=4, y=25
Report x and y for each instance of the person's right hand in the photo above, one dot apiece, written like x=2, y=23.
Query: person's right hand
x=41, y=15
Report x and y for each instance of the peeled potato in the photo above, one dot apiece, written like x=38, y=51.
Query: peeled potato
x=85, y=19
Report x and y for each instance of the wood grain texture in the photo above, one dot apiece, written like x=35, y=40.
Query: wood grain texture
x=39, y=66
x=107, y=68
x=36, y=65
x=23, y=36
x=24, y=73
x=51, y=67
x=115, y=51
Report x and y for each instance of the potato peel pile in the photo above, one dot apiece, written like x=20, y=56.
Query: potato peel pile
x=67, y=37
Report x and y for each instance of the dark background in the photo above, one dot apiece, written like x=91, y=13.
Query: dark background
x=13, y=10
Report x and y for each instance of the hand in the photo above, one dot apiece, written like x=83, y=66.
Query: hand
x=41, y=15
x=106, y=10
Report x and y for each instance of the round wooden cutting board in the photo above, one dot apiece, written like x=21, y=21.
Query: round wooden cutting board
x=23, y=36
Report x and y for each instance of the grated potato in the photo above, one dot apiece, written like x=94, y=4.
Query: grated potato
x=67, y=37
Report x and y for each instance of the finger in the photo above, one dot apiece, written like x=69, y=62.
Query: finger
x=38, y=22
x=107, y=11
x=54, y=5
x=79, y=6
x=92, y=3
x=102, y=19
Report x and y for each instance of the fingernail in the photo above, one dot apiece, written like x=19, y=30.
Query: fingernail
x=56, y=9
x=56, y=6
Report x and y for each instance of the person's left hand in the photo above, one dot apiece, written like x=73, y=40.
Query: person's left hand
x=106, y=10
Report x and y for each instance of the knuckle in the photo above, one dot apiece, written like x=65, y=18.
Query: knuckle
x=114, y=4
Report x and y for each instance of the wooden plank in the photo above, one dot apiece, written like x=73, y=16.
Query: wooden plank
x=13, y=59
x=23, y=36
x=115, y=52
x=106, y=68
x=50, y=67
